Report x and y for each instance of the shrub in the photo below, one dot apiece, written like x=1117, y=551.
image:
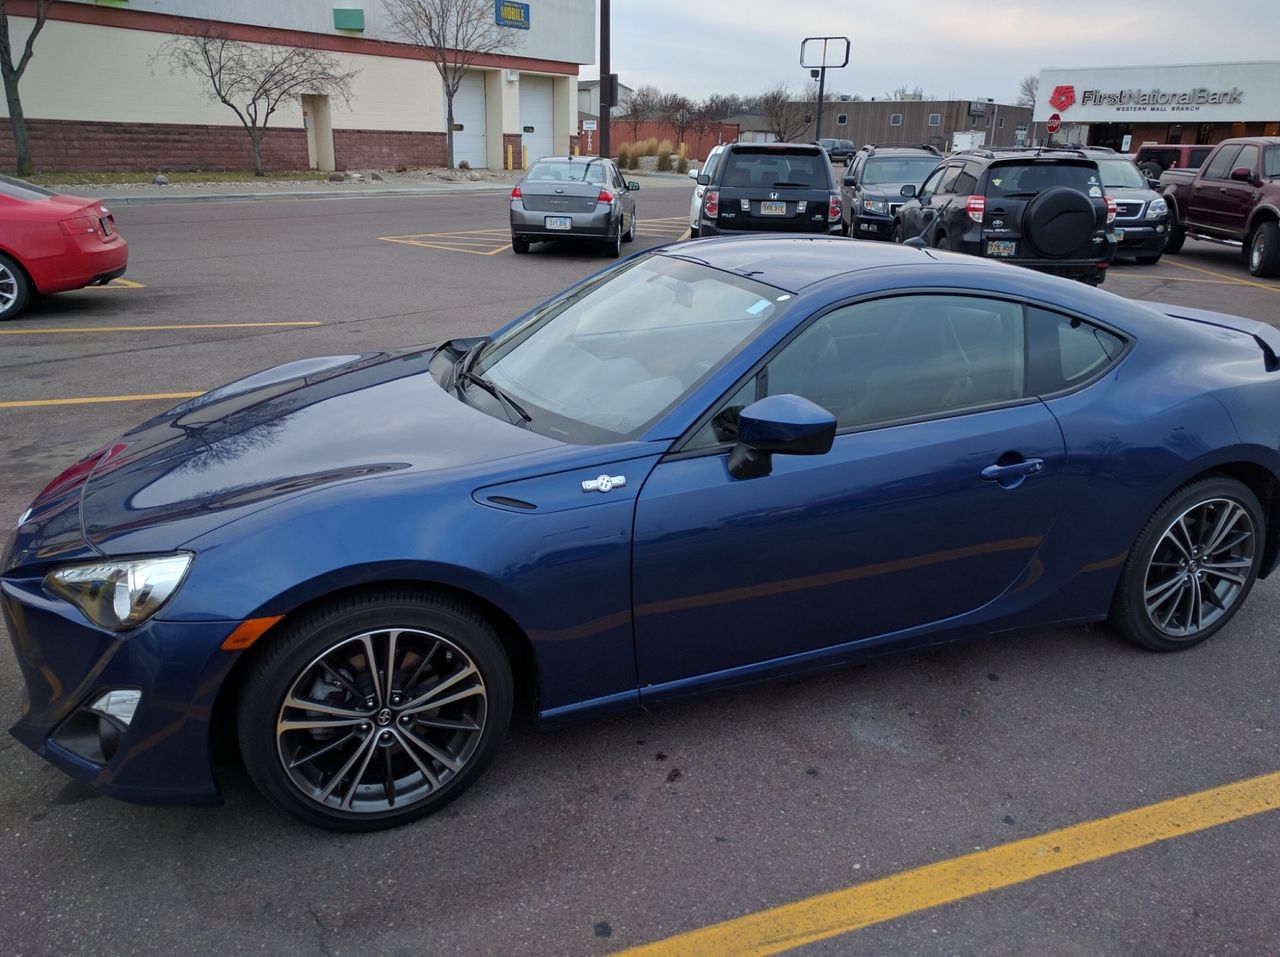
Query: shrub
x=624, y=156
x=665, y=148
x=664, y=162
x=647, y=147
x=682, y=165
x=464, y=165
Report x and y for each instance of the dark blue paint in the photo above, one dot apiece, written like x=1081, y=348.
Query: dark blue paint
x=335, y=473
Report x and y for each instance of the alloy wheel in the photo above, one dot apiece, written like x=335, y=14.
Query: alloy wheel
x=381, y=720
x=1258, y=250
x=9, y=288
x=1200, y=568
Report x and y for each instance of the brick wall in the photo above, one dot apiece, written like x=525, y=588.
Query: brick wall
x=382, y=149
x=514, y=141
x=74, y=146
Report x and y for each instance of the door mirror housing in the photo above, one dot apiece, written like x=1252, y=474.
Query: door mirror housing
x=693, y=173
x=633, y=186
x=784, y=424
x=908, y=191
x=1154, y=184
x=1243, y=174
x=703, y=179
x=849, y=181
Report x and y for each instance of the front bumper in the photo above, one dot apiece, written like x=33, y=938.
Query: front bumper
x=163, y=754
x=871, y=227
x=1143, y=237
x=533, y=223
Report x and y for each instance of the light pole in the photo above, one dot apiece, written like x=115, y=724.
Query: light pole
x=817, y=55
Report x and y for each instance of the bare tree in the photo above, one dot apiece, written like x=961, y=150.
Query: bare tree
x=13, y=74
x=1028, y=89
x=905, y=92
x=454, y=34
x=253, y=79
x=677, y=110
x=785, y=120
x=642, y=108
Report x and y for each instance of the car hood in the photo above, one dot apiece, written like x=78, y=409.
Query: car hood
x=277, y=434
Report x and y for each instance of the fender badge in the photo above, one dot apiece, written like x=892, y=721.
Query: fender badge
x=604, y=483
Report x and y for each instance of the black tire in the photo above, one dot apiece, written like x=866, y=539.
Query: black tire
x=1147, y=260
x=693, y=232
x=1176, y=236
x=1150, y=170
x=613, y=247
x=1262, y=251
x=519, y=245
x=1154, y=585
x=1060, y=223
x=943, y=243
x=15, y=288
x=630, y=237
x=321, y=658
x=895, y=235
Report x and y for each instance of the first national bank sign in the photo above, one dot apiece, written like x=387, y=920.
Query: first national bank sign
x=1211, y=93
x=1155, y=100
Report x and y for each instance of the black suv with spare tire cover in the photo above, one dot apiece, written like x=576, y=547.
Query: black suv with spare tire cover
x=771, y=187
x=1036, y=207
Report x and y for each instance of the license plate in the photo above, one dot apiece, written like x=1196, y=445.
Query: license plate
x=1001, y=247
x=773, y=209
x=1119, y=235
x=107, y=227
x=559, y=222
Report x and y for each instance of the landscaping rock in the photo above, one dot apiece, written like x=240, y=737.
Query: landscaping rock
x=376, y=177
x=337, y=178
x=161, y=180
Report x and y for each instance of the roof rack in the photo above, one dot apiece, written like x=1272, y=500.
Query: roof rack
x=989, y=152
x=870, y=148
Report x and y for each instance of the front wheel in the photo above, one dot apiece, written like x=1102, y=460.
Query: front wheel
x=1192, y=566
x=15, y=288
x=896, y=235
x=1174, y=239
x=1263, y=251
x=376, y=709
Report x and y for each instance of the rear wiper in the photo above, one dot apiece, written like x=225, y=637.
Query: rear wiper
x=796, y=185
x=508, y=404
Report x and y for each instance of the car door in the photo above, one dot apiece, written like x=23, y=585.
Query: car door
x=1237, y=198
x=911, y=215
x=940, y=486
x=1208, y=189
x=624, y=197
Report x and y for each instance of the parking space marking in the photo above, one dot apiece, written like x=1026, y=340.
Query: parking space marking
x=1274, y=287
x=161, y=328
x=490, y=242
x=1161, y=277
x=830, y=915
x=93, y=400
x=123, y=284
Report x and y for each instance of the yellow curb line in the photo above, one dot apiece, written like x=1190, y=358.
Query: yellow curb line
x=156, y=396
x=191, y=325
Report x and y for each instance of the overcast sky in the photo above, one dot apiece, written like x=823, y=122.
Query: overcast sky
x=954, y=49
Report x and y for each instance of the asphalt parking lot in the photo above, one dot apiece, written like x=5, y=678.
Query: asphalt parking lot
x=623, y=833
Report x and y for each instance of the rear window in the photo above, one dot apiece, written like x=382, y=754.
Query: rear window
x=1032, y=177
x=777, y=169
x=566, y=171
x=20, y=189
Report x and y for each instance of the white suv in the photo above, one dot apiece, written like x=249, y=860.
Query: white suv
x=695, y=204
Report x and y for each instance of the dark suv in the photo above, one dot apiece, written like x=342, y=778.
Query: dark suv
x=873, y=185
x=773, y=187
x=838, y=150
x=1041, y=208
x=1142, y=215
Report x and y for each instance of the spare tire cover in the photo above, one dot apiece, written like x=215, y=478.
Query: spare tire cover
x=1059, y=222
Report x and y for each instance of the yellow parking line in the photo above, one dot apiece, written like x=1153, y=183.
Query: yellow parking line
x=1221, y=275
x=123, y=284
x=830, y=915
x=1158, y=277
x=92, y=400
x=189, y=325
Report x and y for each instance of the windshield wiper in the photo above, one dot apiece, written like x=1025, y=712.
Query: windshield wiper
x=796, y=185
x=508, y=404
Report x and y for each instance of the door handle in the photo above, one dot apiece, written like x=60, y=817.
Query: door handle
x=1010, y=475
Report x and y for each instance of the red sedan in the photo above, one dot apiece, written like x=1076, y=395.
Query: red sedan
x=52, y=243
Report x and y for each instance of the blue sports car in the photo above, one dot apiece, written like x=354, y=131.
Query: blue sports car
x=716, y=462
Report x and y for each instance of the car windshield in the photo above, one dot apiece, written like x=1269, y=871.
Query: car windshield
x=1032, y=177
x=907, y=169
x=1121, y=172
x=21, y=189
x=566, y=171
x=603, y=361
x=774, y=169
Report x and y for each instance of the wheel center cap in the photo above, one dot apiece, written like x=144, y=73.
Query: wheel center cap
x=384, y=717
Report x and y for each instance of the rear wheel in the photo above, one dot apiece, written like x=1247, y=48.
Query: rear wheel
x=1192, y=567
x=1263, y=251
x=375, y=709
x=15, y=288
x=693, y=231
x=1150, y=170
x=519, y=245
x=630, y=237
x=613, y=247
x=942, y=243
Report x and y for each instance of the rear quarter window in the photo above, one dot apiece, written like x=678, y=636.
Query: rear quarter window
x=1064, y=352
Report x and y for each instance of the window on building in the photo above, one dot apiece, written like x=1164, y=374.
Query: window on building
x=895, y=119
x=935, y=119
x=842, y=119
x=1000, y=125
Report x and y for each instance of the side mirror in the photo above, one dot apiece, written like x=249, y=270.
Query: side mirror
x=908, y=191
x=785, y=424
x=1154, y=184
x=1243, y=174
x=703, y=179
x=633, y=186
x=849, y=181
x=693, y=173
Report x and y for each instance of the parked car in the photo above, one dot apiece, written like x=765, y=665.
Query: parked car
x=1154, y=158
x=872, y=190
x=53, y=243
x=1142, y=215
x=840, y=151
x=775, y=187
x=573, y=197
x=1233, y=198
x=1036, y=207
x=679, y=475
x=708, y=169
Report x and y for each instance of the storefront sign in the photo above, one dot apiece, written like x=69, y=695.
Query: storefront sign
x=509, y=13
x=1207, y=93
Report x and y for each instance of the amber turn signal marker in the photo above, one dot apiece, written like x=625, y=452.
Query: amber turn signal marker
x=247, y=632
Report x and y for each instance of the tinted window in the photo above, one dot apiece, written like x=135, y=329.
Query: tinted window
x=1065, y=352
x=1196, y=157
x=905, y=357
x=1271, y=161
x=712, y=162
x=931, y=184
x=907, y=169
x=1248, y=156
x=966, y=182
x=1032, y=177
x=568, y=171
x=777, y=169
x=949, y=179
x=20, y=189
x=1220, y=166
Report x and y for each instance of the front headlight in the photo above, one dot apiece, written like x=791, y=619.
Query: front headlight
x=1157, y=209
x=875, y=205
x=119, y=595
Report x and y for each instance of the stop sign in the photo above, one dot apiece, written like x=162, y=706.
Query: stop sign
x=1055, y=122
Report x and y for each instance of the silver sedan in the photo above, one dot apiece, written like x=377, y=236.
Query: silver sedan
x=573, y=197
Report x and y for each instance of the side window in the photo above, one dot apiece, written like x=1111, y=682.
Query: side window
x=965, y=183
x=1220, y=166
x=1064, y=352
x=1248, y=156
x=723, y=426
x=931, y=184
x=949, y=180
x=618, y=181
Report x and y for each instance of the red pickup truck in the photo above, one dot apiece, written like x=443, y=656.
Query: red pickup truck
x=1234, y=198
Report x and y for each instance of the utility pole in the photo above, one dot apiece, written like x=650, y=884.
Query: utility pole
x=606, y=80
